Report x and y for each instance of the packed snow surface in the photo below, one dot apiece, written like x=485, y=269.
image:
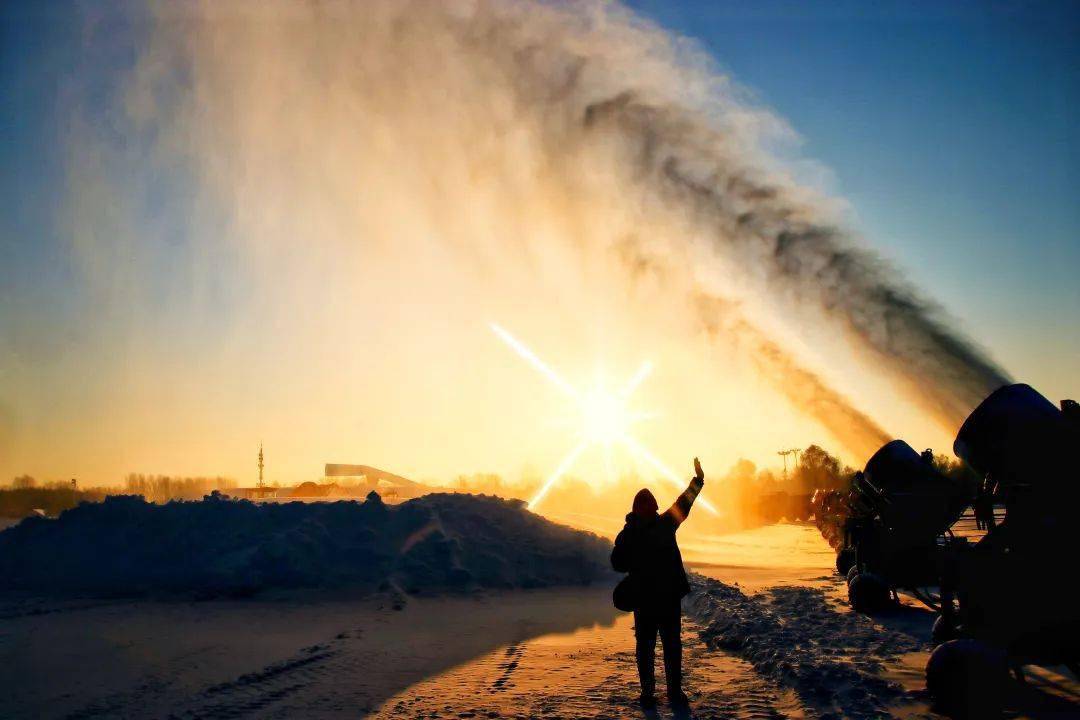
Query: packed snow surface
x=795, y=637
x=220, y=547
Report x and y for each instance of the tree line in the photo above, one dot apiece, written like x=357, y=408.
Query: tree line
x=26, y=495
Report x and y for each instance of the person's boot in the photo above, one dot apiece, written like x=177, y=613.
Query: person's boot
x=647, y=678
x=677, y=698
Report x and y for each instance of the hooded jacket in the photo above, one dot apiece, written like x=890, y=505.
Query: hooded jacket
x=646, y=548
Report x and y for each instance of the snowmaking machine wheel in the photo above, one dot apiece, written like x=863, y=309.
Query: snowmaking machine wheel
x=868, y=593
x=852, y=572
x=966, y=678
x=943, y=631
x=844, y=560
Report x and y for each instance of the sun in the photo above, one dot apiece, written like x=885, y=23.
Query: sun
x=605, y=418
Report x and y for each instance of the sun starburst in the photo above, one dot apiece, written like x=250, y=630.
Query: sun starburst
x=605, y=419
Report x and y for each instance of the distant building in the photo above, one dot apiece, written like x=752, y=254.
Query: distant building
x=340, y=482
x=252, y=493
x=364, y=478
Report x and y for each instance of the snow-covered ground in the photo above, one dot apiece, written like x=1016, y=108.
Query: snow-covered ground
x=218, y=547
x=766, y=640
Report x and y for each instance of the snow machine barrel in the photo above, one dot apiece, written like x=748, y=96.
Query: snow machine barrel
x=1011, y=595
x=912, y=498
x=1023, y=441
x=1010, y=429
x=900, y=506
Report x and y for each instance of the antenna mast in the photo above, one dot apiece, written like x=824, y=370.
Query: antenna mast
x=261, y=485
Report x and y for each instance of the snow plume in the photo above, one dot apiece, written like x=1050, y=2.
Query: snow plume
x=804, y=389
x=723, y=321
x=607, y=98
x=779, y=233
x=339, y=169
x=679, y=138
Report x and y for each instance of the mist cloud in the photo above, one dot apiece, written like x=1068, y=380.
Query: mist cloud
x=384, y=165
x=805, y=390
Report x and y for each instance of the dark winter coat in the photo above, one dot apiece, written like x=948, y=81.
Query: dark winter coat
x=646, y=549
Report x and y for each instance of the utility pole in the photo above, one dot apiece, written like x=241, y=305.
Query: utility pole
x=784, y=454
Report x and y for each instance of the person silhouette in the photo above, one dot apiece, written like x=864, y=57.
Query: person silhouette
x=646, y=549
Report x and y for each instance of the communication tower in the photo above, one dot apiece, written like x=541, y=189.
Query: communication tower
x=261, y=484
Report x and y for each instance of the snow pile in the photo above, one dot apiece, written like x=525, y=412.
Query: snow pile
x=214, y=547
x=795, y=637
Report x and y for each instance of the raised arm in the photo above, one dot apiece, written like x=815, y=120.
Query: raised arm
x=681, y=507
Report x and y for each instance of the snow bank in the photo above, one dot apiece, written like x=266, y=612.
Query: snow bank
x=792, y=635
x=214, y=547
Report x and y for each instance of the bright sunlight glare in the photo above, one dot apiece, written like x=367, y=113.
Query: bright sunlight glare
x=605, y=418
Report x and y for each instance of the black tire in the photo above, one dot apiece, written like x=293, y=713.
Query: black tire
x=844, y=560
x=868, y=593
x=943, y=631
x=851, y=573
x=966, y=679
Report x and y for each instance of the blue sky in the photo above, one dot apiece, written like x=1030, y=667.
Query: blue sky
x=39, y=51
x=951, y=129
x=51, y=56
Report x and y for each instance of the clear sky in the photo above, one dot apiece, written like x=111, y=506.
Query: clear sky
x=949, y=128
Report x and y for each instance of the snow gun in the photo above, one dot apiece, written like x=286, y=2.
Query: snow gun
x=900, y=512
x=1009, y=599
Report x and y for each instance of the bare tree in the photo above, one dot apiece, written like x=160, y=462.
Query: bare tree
x=23, y=482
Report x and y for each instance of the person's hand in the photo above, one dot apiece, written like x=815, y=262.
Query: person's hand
x=698, y=474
